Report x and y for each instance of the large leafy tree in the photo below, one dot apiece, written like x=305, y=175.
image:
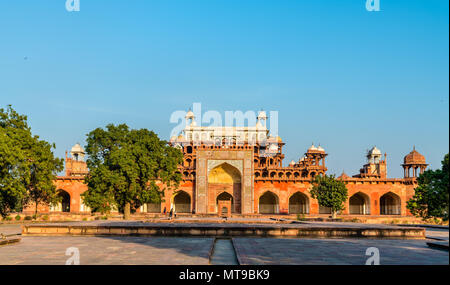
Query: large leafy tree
x=125, y=166
x=329, y=192
x=42, y=167
x=13, y=166
x=431, y=197
x=27, y=165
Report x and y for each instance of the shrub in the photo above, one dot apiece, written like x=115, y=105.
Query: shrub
x=45, y=217
x=8, y=218
x=28, y=218
x=18, y=218
x=104, y=217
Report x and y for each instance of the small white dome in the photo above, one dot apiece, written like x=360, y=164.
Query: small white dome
x=190, y=115
x=319, y=148
x=312, y=147
x=77, y=149
x=374, y=151
x=77, y=152
x=292, y=163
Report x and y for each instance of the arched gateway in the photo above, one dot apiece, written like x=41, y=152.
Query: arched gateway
x=224, y=181
x=63, y=204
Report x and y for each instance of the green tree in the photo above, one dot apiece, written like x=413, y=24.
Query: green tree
x=125, y=166
x=27, y=165
x=43, y=167
x=329, y=192
x=431, y=197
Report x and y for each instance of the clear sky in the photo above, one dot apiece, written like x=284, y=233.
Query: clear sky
x=337, y=74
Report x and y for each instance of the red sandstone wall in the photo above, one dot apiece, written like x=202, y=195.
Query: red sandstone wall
x=73, y=186
x=283, y=190
x=374, y=189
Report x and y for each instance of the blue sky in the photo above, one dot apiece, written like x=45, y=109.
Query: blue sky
x=337, y=74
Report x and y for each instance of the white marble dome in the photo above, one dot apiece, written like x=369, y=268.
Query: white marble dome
x=312, y=147
x=374, y=151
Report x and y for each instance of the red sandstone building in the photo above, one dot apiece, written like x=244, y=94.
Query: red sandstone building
x=239, y=170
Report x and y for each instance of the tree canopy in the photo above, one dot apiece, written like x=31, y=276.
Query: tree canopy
x=27, y=165
x=125, y=166
x=431, y=197
x=329, y=192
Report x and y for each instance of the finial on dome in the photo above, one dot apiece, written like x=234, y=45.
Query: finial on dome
x=190, y=114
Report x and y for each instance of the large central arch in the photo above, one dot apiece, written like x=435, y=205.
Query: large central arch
x=268, y=203
x=64, y=202
x=224, y=173
x=298, y=204
x=224, y=181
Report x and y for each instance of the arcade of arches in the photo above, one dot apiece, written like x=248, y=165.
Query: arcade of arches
x=250, y=183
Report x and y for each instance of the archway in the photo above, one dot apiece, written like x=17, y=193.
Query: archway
x=359, y=204
x=268, y=203
x=65, y=201
x=390, y=204
x=299, y=204
x=226, y=179
x=182, y=202
x=224, y=196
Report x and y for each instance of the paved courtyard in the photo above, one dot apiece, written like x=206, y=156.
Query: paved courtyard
x=189, y=250
x=108, y=251
x=255, y=251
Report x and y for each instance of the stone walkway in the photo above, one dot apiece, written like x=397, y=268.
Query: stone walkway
x=108, y=251
x=265, y=251
x=187, y=250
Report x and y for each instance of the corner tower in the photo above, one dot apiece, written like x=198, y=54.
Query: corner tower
x=75, y=164
x=414, y=161
x=375, y=166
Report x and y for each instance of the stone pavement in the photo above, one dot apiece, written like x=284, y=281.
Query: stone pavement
x=439, y=234
x=10, y=229
x=108, y=251
x=187, y=250
x=266, y=251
